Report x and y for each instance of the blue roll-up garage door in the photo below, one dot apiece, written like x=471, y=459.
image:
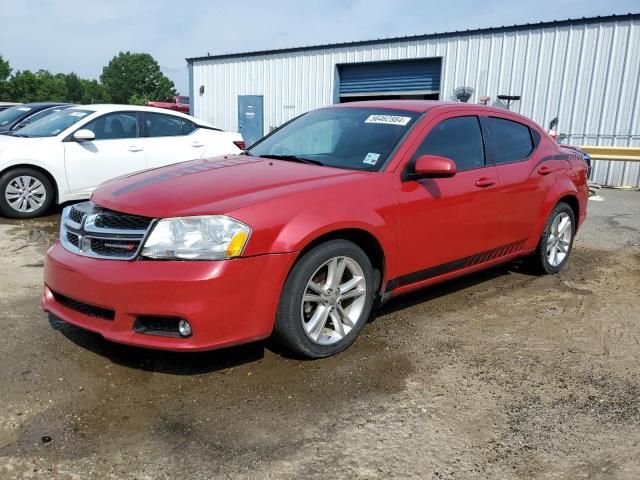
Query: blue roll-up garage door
x=401, y=78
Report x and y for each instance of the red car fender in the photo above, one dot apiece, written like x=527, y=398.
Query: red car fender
x=293, y=223
x=306, y=229
x=562, y=188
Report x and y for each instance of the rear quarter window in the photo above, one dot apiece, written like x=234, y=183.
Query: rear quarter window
x=511, y=140
x=188, y=127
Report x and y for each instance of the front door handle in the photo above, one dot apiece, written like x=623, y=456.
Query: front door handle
x=545, y=170
x=135, y=148
x=197, y=144
x=485, y=182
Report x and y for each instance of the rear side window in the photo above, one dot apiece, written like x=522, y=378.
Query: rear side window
x=459, y=139
x=159, y=125
x=511, y=140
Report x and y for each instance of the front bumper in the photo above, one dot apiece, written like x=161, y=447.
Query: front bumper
x=226, y=302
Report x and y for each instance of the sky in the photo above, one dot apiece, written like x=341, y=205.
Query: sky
x=81, y=36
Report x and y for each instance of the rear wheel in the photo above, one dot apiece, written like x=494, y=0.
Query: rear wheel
x=326, y=300
x=25, y=193
x=556, y=241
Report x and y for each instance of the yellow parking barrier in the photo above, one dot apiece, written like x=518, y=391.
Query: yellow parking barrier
x=625, y=154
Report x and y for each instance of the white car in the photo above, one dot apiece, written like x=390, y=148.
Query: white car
x=64, y=156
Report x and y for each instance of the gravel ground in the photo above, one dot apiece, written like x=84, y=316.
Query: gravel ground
x=497, y=375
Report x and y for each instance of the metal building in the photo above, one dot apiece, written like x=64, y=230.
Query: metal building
x=585, y=71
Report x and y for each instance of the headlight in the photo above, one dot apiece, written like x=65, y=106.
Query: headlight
x=213, y=237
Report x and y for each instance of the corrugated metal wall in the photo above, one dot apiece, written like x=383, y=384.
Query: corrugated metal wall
x=586, y=74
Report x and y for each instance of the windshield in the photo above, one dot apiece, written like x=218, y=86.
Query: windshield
x=347, y=137
x=52, y=125
x=183, y=100
x=45, y=113
x=12, y=114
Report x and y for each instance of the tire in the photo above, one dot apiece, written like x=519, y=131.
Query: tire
x=542, y=260
x=344, y=313
x=14, y=181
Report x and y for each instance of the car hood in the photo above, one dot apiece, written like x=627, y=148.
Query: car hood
x=216, y=185
x=8, y=142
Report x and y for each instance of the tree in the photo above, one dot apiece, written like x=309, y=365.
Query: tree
x=50, y=87
x=74, y=87
x=135, y=76
x=93, y=92
x=5, y=72
x=23, y=86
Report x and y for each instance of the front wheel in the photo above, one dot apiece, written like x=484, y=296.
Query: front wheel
x=556, y=241
x=25, y=193
x=326, y=300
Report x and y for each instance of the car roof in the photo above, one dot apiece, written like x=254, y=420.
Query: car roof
x=423, y=106
x=114, y=107
x=44, y=104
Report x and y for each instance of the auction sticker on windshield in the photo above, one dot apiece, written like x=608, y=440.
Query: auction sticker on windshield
x=388, y=119
x=371, y=158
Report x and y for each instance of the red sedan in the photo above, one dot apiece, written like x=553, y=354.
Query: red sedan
x=299, y=237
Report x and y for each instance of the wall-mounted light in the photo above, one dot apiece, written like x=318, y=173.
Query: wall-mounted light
x=201, y=89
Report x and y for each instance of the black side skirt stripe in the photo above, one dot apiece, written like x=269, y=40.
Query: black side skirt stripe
x=454, y=265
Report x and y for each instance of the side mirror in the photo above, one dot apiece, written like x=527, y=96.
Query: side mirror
x=84, y=135
x=432, y=166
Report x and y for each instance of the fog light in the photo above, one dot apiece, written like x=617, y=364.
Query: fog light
x=184, y=328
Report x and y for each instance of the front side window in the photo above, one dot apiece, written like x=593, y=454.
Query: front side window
x=344, y=137
x=53, y=124
x=159, y=125
x=459, y=139
x=114, y=126
x=511, y=140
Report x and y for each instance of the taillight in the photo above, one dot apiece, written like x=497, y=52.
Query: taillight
x=240, y=144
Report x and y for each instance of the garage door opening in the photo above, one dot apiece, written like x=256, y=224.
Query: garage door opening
x=392, y=80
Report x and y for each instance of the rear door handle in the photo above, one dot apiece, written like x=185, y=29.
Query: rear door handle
x=545, y=170
x=135, y=148
x=485, y=182
x=197, y=144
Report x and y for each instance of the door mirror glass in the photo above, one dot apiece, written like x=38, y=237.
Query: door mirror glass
x=84, y=135
x=434, y=166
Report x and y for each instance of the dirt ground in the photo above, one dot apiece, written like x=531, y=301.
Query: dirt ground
x=497, y=375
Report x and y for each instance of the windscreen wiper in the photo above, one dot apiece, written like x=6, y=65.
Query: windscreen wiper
x=293, y=158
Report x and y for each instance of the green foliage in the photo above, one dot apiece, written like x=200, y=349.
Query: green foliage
x=138, y=100
x=134, y=77
x=5, y=72
x=129, y=78
x=93, y=92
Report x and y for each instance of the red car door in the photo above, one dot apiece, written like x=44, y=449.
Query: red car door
x=526, y=171
x=444, y=222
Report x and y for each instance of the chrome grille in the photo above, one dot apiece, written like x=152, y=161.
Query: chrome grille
x=76, y=215
x=121, y=221
x=91, y=231
x=73, y=239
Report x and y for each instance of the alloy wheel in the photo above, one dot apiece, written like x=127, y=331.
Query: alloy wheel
x=333, y=300
x=559, y=239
